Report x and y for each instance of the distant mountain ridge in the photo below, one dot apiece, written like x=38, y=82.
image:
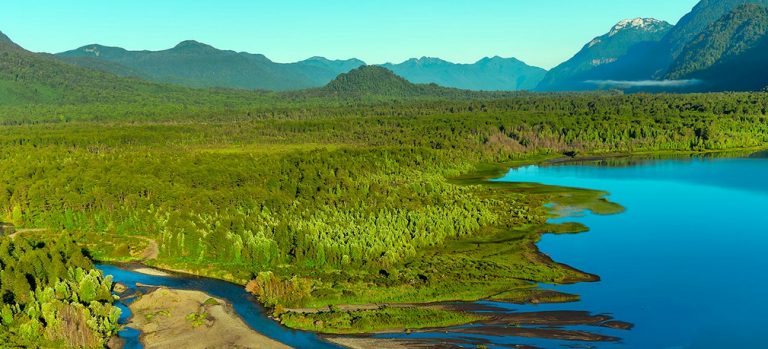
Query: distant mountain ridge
x=28, y=78
x=487, y=74
x=720, y=45
x=194, y=64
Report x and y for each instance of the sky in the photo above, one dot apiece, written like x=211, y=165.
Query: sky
x=540, y=32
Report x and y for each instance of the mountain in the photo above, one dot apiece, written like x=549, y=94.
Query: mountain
x=695, y=22
x=631, y=35
x=30, y=78
x=652, y=60
x=377, y=81
x=194, y=64
x=487, y=74
x=730, y=54
x=26, y=77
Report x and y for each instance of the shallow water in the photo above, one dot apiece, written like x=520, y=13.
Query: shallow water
x=242, y=302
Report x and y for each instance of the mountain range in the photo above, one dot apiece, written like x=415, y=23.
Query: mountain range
x=28, y=78
x=195, y=64
x=720, y=45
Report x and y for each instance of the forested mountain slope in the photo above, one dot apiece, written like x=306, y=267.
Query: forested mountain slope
x=695, y=22
x=730, y=54
x=27, y=77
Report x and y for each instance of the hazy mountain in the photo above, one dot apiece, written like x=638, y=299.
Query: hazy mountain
x=195, y=64
x=730, y=54
x=628, y=36
x=322, y=70
x=487, y=74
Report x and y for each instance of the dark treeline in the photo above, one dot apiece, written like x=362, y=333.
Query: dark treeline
x=227, y=106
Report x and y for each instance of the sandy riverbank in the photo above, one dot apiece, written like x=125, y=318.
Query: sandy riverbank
x=192, y=319
x=151, y=271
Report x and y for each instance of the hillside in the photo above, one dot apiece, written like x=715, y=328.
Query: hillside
x=377, y=81
x=487, y=74
x=730, y=54
x=701, y=16
x=194, y=64
x=625, y=37
x=27, y=77
x=6, y=41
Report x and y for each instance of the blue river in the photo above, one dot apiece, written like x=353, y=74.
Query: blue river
x=685, y=263
x=242, y=302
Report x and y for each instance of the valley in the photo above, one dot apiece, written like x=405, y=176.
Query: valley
x=201, y=197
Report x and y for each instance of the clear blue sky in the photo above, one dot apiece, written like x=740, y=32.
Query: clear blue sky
x=540, y=32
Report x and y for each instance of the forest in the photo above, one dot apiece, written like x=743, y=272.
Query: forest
x=314, y=201
x=52, y=296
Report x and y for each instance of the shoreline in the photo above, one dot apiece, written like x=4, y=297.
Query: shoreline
x=363, y=339
x=149, y=270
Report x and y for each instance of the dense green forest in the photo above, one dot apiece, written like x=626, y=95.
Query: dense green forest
x=345, y=202
x=52, y=296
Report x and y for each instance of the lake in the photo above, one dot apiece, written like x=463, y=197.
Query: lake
x=684, y=263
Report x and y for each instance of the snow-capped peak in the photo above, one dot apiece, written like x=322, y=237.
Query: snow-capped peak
x=647, y=24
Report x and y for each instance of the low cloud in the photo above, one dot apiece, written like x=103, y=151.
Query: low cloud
x=645, y=83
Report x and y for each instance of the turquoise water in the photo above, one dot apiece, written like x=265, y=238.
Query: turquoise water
x=685, y=263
